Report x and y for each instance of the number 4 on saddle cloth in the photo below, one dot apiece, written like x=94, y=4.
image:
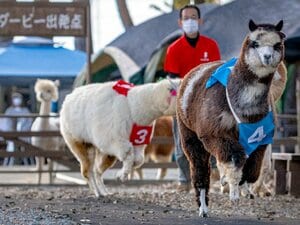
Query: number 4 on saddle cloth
x=140, y=135
x=251, y=135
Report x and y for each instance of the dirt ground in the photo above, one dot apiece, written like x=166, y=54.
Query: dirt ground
x=150, y=204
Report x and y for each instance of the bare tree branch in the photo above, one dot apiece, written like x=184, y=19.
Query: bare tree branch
x=124, y=13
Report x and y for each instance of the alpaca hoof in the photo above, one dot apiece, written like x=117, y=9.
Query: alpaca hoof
x=235, y=202
x=234, y=197
x=97, y=195
x=122, y=176
x=268, y=194
x=203, y=214
x=223, y=181
x=250, y=196
x=203, y=211
x=109, y=193
x=106, y=193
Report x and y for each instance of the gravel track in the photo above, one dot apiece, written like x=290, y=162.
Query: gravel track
x=149, y=204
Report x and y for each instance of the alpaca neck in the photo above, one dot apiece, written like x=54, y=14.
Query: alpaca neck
x=143, y=104
x=249, y=93
x=45, y=108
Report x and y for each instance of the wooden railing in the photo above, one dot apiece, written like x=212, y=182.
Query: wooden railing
x=65, y=157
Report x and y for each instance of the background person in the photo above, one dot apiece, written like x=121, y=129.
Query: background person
x=19, y=124
x=187, y=52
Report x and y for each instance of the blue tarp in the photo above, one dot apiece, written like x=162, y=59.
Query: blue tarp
x=26, y=62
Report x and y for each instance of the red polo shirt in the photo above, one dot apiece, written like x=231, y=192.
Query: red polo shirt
x=182, y=57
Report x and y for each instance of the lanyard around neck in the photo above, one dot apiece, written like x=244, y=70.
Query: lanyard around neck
x=231, y=108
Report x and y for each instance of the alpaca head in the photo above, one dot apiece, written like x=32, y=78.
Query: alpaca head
x=46, y=90
x=166, y=92
x=263, y=48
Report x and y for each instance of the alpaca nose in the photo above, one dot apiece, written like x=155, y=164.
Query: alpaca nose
x=267, y=57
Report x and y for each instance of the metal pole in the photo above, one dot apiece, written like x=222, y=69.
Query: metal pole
x=88, y=42
x=297, y=150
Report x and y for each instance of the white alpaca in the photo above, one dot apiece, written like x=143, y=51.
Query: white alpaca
x=46, y=91
x=96, y=123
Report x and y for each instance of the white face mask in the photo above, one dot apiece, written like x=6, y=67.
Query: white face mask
x=190, y=26
x=17, y=101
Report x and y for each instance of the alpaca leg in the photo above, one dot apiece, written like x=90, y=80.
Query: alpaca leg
x=259, y=187
x=198, y=158
x=102, y=163
x=137, y=171
x=253, y=165
x=91, y=154
x=231, y=159
x=246, y=191
x=128, y=162
x=85, y=154
x=161, y=173
x=139, y=156
x=233, y=176
x=131, y=175
x=224, y=188
x=124, y=151
x=140, y=174
x=50, y=167
x=39, y=163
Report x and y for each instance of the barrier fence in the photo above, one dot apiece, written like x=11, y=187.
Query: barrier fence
x=64, y=156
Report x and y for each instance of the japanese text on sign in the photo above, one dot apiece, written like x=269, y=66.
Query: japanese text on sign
x=26, y=19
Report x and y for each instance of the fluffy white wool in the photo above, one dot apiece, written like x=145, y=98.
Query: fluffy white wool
x=97, y=115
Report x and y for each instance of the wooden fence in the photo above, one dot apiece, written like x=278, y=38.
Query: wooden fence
x=65, y=158
x=62, y=157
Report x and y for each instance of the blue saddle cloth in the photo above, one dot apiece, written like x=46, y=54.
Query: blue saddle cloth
x=252, y=135
x=221, y=74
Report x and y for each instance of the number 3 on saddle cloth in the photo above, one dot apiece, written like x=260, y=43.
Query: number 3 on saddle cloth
x=140, y=135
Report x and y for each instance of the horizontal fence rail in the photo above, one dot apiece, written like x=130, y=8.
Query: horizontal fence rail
x=66, y=158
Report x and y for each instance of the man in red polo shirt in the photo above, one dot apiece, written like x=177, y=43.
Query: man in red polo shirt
x=187, y=52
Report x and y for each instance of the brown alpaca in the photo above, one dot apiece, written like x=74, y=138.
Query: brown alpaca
x=277, y=87
x=260, y=187
x=160, y=153
x=206, y=121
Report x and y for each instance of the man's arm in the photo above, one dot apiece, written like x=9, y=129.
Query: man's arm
x=171, y=62
x=216, y=51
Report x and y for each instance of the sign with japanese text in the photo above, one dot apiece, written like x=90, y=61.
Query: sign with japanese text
x=43, y=18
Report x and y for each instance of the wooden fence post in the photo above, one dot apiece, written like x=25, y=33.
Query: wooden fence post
x=297, y=149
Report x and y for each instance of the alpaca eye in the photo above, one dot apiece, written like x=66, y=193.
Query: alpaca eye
x=277, y=46
x=254, y=44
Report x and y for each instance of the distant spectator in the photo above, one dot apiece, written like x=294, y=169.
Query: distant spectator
x=16, y=124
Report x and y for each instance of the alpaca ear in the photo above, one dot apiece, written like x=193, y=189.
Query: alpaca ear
x=57, y=83
x=282, y=35
x=279, y=25
x=252, y=25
